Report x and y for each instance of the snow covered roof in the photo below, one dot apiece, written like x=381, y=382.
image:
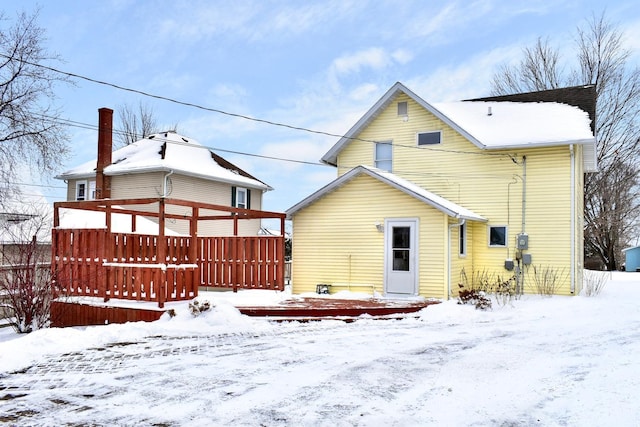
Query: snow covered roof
x=440, y=203
x=507, y=125
x=502, y=124
x=25, y=217
x=165, y=152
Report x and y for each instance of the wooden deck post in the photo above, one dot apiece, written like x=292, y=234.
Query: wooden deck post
x=107, y=286
x=193, y=249
x=162, y=255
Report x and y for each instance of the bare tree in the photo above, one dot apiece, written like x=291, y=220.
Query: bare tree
x=30, y=130
x=611, y=194
x=26, y=285
x=135, y=125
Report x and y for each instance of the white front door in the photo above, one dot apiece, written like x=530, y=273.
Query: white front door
x=401, y=249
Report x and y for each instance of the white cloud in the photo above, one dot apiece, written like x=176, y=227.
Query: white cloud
x=251, y=20
x=402, y=56
x=468, y=79
x=374, y=58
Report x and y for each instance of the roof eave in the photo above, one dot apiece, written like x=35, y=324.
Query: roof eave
x=582, y=141
x=256, y=185
x=364, y=170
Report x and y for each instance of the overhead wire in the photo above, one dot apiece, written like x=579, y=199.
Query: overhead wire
x=237, y=115
x=81, y=125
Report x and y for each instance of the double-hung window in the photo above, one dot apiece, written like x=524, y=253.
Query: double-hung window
x=384, y=156
x=92, y=190
x=240, y=198
x=81, y=190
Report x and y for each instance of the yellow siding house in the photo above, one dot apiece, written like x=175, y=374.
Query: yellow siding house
x=428, y=192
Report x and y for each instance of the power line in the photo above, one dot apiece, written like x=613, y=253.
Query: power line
x=172, y=100
x=237, y=115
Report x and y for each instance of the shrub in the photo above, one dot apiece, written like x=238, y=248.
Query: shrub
x=505, y=290
x=483, y=285
x=546, y=279
x=472, y=296
x=594, y=282
x=197, y=308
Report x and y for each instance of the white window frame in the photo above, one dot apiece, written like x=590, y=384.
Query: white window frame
x=92, y=191
x=85, y=189
x=506, y=236
x=439, y=132
x=377, y=161
x=462, y=240
x=239, y=191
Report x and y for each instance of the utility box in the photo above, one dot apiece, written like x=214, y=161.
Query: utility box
x=526, y=259
x=522, y=241
x=508, y=264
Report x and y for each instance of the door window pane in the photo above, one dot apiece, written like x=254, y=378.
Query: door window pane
x=401, y=243
x=401, y=237
x=400, y=260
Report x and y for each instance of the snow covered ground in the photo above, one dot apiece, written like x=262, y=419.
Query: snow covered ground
x=561, y=361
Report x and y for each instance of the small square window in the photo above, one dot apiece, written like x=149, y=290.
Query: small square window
x=429, y=138
x=498, y=236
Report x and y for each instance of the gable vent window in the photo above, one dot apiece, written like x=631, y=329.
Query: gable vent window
x=403, y=109
x=429, y=138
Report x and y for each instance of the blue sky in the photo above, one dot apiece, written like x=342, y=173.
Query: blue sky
x=311, y=64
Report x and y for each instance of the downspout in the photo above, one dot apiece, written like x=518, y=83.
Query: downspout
x=524, y=210
x=461, y=222
x=524, y=190
x=572, y=255
x=164, y=184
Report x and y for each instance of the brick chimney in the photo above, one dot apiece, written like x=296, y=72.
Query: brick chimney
x=105, y=145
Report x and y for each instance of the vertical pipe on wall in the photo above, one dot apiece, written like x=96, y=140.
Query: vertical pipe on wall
x=572, y=255
x=461, y=222
x=524, y=190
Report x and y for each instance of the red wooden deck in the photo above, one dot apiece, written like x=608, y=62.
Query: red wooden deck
x=102, y=263
x=314, y=308
x=304, y=309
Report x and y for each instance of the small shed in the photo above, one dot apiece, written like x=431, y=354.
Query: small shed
x=632, y=258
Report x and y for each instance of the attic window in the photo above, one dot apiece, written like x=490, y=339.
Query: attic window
x=403, y=109
x=429, y=138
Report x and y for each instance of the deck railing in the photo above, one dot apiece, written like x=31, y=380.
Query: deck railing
x=94, y=262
